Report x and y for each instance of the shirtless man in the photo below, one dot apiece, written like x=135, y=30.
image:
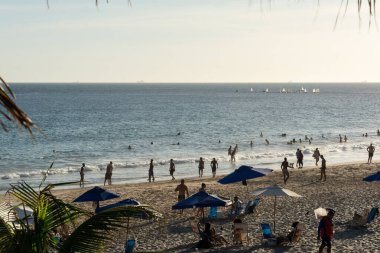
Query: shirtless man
x=182, y=191
x=150, y=171
x=371, y=150
x=214, y=166
x=108, y=176
x=284, y=168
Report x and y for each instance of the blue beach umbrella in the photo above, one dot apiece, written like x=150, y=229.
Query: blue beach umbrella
x=200, y=199
x=125, y=202
x=96, y=194
x=244, y=173
x=373, y=177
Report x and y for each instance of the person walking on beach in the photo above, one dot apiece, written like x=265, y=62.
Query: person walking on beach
x=172, y=168
x=182, y=191
x=230, y=151
x=201, y=166
x=81, y=172
x=108, y=176
x=284, y=168
x=150, y=172
x=326, y=231
x=345, y=138
x=316, y=156
x=214, y=166
x=299, y=156
x=371, y=150
x=323, y=169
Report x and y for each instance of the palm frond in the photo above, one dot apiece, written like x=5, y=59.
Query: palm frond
x=92, y=235
x=6, y=236
x=16, y=114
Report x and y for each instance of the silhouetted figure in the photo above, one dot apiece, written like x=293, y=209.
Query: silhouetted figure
x=261, y=134
x=284, y=168
x=366, y=135
x=201, y=166
x=129, y=147
x=214, y=166
x=81, y=173
x=150, y=172
x=172, y=168
x=108, y=176
x=371, y=150
x=251, y=144
x=323, y=168
x=345, y=138
x=340, y=138
x=266, y=141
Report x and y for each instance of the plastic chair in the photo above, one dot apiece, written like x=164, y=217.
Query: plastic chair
x=129, y=246
x=213, y=213
x=372, y=214
x=267, y=231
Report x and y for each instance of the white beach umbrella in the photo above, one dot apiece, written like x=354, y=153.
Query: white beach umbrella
x=275, y=191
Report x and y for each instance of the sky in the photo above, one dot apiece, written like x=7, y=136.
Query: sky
x=187, y=41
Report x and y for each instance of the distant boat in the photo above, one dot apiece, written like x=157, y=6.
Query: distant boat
x=266, y=90
x=283, y=90
x=251, y=89
x=303, y=90
x=316, y=90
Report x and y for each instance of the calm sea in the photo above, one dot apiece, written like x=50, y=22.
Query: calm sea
x=95, y=124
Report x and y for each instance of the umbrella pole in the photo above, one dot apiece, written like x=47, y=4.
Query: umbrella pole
x=274, y=221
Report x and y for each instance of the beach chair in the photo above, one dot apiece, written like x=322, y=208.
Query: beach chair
x=268, y=236
x=293, y=236
x=213, y=213
x=251, y=206
x=240, y=233
x=365, y=219
x=129, y=246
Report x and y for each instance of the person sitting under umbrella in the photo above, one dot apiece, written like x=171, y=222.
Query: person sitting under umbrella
x=236, y=207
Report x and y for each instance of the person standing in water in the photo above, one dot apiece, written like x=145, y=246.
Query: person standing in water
x=150, y=172
x=230, y=152
x=201, y=166
x=316, y=156
x=81, y=172
x=214, y=166
x=345, y=138
x=172, y=168
x=108, y=176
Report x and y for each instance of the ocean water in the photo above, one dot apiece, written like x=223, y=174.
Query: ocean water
x=95, y=124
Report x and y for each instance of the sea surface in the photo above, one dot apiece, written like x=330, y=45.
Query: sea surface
x=95, y=124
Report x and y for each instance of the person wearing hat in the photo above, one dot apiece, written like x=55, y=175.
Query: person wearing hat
x=326, y=231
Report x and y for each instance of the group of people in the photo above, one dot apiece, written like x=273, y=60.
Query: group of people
x=232, y=152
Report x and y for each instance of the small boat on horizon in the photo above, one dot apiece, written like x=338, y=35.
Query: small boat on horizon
x=283, y=90
x=316, y=90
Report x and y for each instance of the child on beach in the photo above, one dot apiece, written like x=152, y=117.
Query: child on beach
x=326, y=231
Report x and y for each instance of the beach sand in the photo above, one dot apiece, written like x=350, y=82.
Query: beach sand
x=344, y=191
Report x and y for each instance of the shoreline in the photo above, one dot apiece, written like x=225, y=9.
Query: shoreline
x=344, y=191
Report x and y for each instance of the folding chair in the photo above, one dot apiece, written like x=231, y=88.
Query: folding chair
x=267, y=234
x=213, y=213
x=129, y=246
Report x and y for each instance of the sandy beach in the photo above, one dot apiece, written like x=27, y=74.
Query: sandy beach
x=343, y=191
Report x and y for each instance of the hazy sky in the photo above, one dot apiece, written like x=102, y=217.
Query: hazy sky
x=186, y=41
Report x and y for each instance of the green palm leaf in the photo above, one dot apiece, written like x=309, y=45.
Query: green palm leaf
x=12, y=111
x=92, y=235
